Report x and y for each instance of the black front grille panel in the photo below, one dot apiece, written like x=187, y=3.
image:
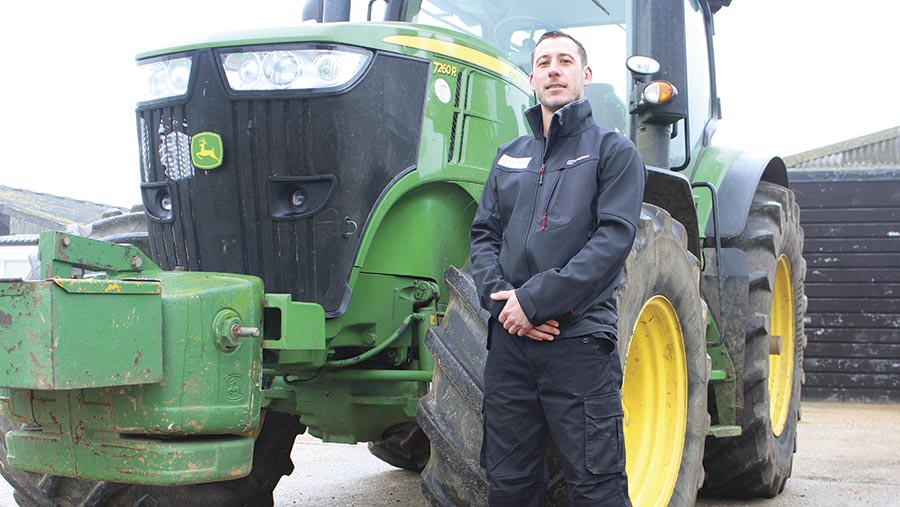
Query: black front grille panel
x=351, y=145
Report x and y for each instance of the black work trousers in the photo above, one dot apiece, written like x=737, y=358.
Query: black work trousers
x=569, y=389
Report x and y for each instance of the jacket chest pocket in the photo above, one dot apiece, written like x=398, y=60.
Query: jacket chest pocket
x=570, y=197
x=515, y=192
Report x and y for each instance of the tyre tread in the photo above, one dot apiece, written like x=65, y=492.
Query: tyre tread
x=753, y=463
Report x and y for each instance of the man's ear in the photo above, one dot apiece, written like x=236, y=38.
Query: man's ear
x=531, y=82
x=588, y=75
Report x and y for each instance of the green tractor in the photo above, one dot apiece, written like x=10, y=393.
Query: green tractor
x=309, y=193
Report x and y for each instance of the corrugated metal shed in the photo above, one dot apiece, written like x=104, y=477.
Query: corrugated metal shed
x=880, y=149
x=27, y=212
x=20, y=239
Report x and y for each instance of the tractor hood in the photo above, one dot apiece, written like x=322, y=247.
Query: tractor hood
x=278, y=183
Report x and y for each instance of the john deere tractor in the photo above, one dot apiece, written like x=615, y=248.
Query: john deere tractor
x=309, y=192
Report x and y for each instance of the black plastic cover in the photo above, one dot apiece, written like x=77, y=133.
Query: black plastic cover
x=342, y=149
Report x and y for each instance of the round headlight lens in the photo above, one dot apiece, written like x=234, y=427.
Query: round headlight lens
x=156, y=79
x=328, y=67
x=246, y=67
x=249, y=69
x=179, y=74
x=281, y=68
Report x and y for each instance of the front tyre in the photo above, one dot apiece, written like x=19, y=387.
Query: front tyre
x=662, y=333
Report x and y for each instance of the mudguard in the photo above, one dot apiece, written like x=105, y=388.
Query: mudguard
x=671, y=191
x=736, y=189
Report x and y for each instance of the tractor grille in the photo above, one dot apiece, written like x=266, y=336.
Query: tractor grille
x=341, y=151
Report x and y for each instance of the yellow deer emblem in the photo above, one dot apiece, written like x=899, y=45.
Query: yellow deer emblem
x=206, y=150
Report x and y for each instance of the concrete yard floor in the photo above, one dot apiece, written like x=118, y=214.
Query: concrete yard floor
x=848, y=455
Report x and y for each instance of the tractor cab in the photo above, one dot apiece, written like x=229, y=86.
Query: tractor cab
x=678, y=36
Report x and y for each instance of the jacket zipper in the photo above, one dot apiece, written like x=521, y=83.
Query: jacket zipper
x=537, y=193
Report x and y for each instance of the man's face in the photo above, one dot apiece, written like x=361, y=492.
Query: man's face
x=558, y=75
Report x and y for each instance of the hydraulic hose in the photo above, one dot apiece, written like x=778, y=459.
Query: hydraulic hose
x=350, y=361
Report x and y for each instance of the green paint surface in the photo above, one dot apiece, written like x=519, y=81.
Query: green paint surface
x=69, y=334
x=113, y=370
x=712, y=168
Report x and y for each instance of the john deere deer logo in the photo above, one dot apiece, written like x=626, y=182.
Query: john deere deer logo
x=206, y=150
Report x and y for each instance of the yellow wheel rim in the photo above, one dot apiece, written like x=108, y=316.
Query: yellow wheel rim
x=654, y=401
x=781, y=366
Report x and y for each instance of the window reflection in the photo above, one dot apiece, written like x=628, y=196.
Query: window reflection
x=514, y=26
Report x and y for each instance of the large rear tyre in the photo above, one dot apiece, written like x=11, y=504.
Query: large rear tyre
x=271, y=460
x=662, y=346
x=759, y=461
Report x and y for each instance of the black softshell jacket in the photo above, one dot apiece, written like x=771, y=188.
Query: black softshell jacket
x=557, y=219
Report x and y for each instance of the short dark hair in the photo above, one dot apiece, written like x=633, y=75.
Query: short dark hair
x=555, y=34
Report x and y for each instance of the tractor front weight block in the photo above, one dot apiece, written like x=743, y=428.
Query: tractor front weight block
x=154, y=379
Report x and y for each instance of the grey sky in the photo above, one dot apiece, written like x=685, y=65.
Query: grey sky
x=793, y=75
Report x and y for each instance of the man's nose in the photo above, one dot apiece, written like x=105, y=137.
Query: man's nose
x=554, y=69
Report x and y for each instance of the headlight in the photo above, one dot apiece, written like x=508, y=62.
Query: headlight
x=163, y=78
x=294, y=69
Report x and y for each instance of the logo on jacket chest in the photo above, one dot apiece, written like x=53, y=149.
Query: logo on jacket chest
x=575, y=160
x=514, y=162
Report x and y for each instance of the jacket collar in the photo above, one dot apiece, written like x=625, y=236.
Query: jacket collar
x=569, y=119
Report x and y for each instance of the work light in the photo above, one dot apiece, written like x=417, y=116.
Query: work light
x=161, y=79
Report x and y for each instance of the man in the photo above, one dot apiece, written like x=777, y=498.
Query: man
x=557, y=219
